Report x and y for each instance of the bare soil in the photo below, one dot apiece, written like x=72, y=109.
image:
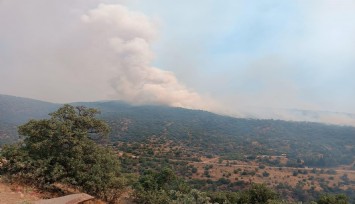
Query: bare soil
x=16, y=194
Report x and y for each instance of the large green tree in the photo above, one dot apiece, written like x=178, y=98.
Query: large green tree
x=61, y=150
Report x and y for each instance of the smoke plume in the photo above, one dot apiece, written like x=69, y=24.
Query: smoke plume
x=128, y=35
x=90, y=54
x=265, y=61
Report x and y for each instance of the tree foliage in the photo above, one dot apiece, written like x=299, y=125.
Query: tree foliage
x=165, y=187
x=333, y=199
x=61, y=150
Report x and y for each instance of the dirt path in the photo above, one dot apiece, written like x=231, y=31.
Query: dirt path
x=10, y=194
x=15, y=194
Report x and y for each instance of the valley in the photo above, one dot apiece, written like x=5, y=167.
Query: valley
x=213, y=173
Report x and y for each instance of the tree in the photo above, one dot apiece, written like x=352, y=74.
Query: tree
x=61, y=149
x=165, y=187
x=258, y=193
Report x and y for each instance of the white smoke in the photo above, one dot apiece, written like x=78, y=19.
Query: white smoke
x=89, y=54
x=77, y=50
x=129, y=36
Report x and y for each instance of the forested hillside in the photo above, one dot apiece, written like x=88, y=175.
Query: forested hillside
x=199, y=131
x=316, y=144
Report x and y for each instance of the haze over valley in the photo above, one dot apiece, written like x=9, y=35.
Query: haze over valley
x=166, y=102
x=263, y=61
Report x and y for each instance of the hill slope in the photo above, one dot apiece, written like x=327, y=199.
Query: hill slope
x=203, y=132
x=17, y=110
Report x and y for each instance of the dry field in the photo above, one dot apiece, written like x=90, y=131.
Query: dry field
x=253, y=172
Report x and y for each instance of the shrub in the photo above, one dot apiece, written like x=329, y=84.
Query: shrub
x=266, y=174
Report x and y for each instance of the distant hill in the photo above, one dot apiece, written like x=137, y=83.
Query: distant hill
x=330, y=117
x=17, y=110
x=314, y=143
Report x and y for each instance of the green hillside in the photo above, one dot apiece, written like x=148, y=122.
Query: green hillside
x=204, y=132
x=317, y=144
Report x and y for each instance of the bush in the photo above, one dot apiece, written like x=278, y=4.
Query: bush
x=266, y=174
x=259, y=194
x=333, y=199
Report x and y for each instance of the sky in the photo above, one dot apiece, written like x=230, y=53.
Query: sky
x=236, y=57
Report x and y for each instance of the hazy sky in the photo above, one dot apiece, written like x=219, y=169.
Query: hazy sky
x=227, y=55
